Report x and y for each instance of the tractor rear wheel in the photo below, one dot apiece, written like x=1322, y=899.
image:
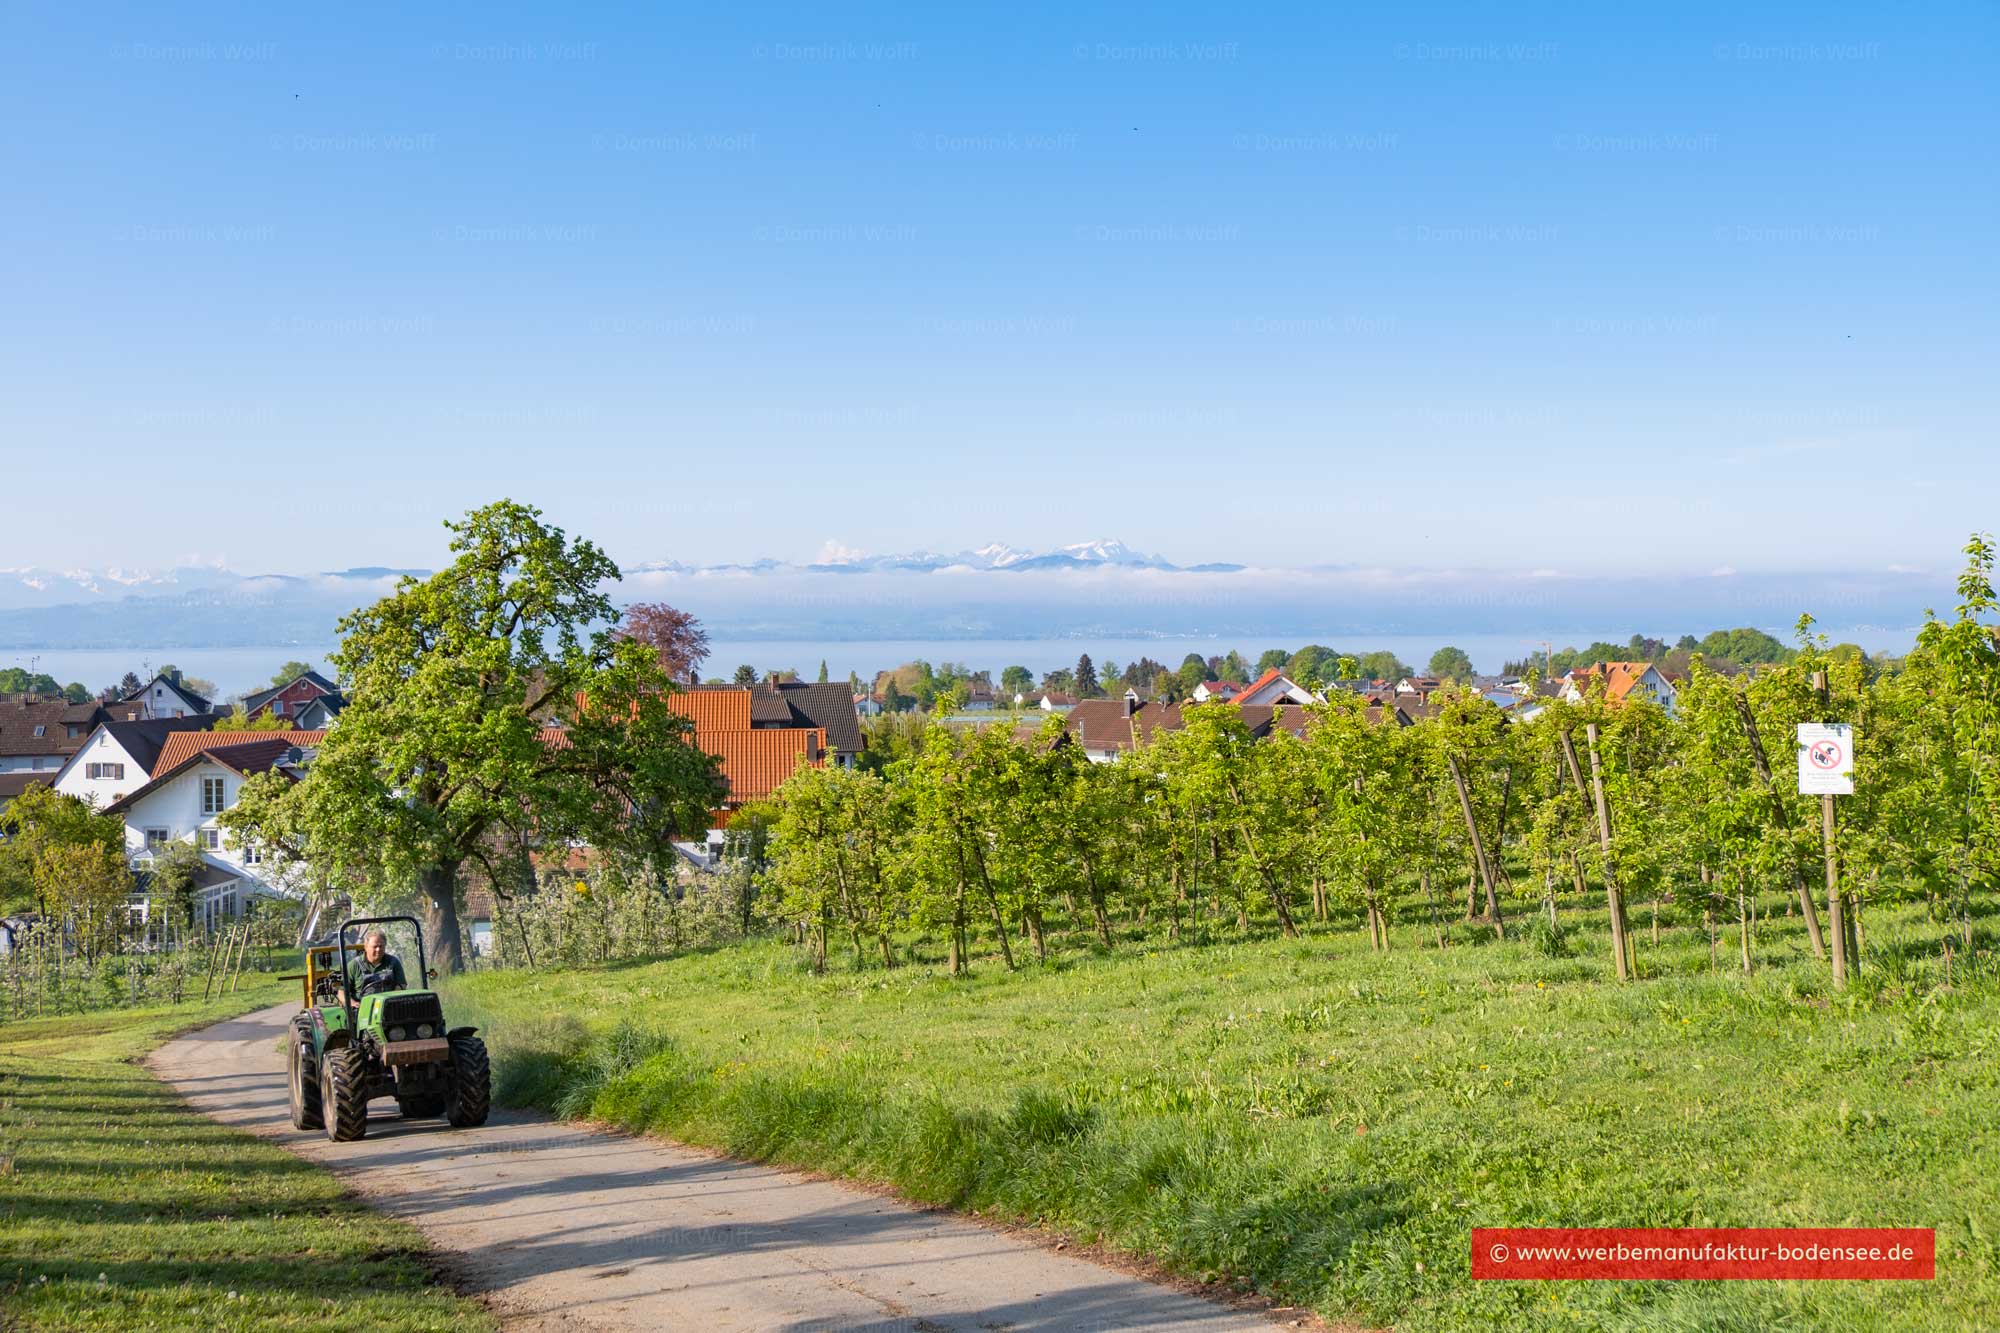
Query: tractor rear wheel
x=304, y=1061
x=343, y=1087
x=472, y=1093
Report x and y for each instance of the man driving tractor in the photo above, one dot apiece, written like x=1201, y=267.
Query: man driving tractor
x=376, y=969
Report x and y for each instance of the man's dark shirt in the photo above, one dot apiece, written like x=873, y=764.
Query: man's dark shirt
x=364, y=978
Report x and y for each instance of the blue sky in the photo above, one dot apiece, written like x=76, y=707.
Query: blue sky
x=1479, y=286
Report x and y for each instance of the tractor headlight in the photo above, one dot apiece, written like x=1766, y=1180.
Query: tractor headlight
x=395, y=1034
x=423, y=1029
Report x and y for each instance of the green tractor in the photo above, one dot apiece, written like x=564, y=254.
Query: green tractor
x=387, y=1041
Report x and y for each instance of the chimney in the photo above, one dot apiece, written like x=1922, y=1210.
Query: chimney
x=1130, y=705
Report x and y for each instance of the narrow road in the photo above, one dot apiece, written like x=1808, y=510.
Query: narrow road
x=558, y=1227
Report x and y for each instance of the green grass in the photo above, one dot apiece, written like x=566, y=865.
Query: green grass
x=122, y=1208
x=1327, y=1125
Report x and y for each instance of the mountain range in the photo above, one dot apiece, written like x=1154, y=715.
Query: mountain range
x=834, y=558
x=1093, y=588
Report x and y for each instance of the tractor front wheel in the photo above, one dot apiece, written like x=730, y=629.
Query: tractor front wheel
x=343, y=1090
x=472, y=1091
x=304, y=1063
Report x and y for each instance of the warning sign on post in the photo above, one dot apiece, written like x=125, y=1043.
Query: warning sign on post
x=1826, y=759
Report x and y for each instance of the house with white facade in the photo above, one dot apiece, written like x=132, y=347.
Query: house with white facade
x=1622, y=681
x=165, y=696
x=119, y=757
x=183, y=804
x=1273, y=687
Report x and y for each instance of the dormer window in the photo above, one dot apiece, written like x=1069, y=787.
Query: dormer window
x=39, y=731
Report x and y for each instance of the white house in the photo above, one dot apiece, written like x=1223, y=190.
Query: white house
x=1622, y=680
x=181, y=805
x=1273, y=687
x=163, y=696
x=119, y=758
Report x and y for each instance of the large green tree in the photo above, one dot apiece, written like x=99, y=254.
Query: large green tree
x=1449, y=663
x=487, y=704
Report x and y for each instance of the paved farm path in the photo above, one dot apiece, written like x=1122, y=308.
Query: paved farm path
x=558, y=1227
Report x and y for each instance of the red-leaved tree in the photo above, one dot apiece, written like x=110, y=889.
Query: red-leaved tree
x=675, y=635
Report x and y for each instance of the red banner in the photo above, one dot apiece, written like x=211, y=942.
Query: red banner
x=1615, y=1253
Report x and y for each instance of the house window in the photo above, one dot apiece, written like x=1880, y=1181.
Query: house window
x=252, y=856
x=156, y=838
x=72, y=731
x=211, y=839
x=211, y=796
x=279, y=708
x=114, y=772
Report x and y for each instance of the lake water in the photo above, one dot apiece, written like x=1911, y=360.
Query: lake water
x=235, y=670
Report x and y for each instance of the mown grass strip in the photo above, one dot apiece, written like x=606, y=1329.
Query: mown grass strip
x=1325, y=1124
x=122, y=1208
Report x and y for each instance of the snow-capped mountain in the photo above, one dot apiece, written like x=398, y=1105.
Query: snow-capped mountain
x=836, y=557
x=32, y=585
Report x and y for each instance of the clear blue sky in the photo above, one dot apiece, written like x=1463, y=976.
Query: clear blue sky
x=1439, y=285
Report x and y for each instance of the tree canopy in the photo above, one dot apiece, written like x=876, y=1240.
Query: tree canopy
x=445, y=755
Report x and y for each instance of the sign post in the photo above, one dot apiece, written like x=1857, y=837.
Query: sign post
x=1826, y=766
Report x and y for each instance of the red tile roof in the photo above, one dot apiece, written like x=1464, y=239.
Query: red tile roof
x=1619, y=678
x=756, y=760
x=713, y=710
x=181, y=744
x=756, y=763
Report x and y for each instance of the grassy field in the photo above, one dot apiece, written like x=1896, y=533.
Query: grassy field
x=121, y=1208
x=1327, y=1124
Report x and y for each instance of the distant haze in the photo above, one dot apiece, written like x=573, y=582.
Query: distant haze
x=1091, y=591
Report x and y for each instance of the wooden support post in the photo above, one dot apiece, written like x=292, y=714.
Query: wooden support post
x=1778, y=815
x=1836, y=921
x=242, y=948
x=208, y=975
x=1835, y=918
x=1479, y=857
x=1612, y=899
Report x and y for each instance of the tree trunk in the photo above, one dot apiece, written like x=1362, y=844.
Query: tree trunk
x=1430, y=897
x=1743, y=924
x=439, y=885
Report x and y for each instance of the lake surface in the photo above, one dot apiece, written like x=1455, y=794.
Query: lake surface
x=236, y=670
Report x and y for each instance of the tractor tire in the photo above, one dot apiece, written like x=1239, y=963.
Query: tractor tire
x=304, y=1062
x=343, y=1090
x=422, y=1108
x=472, y=1096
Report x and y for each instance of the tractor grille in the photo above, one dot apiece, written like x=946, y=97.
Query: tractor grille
x=409, y=1010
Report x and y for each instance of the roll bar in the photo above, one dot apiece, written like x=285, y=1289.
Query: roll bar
x=423, y=970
